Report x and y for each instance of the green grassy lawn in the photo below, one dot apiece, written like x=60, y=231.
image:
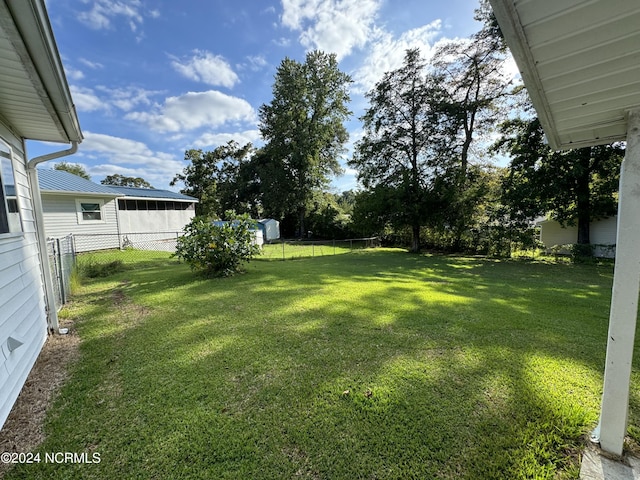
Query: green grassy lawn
x=294, y=249
x=377, y=364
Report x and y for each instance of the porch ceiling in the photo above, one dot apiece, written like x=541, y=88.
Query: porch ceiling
x=580, y=61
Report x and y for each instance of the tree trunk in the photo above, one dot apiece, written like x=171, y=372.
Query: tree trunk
x=301, y=215
x=415, y=240
x=583, y=195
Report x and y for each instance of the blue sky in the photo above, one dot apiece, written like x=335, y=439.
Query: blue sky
x=151, y=78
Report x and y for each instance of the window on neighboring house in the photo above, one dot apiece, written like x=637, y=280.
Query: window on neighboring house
x=9, y=209
x=89, y=210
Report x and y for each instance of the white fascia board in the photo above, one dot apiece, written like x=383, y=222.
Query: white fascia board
x=509, y=21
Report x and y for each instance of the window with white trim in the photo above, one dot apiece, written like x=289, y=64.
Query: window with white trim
x=90, y=211
x=10, y=221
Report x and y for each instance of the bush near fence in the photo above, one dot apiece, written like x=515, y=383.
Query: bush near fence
x=90, y=252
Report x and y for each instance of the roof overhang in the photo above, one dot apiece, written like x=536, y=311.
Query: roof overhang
x=160, y=199
x=580, y=62
x=35, y=101
x=80, y=194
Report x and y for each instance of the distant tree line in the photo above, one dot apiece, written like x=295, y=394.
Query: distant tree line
x=426, y=162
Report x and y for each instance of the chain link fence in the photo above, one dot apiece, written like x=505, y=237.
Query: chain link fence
x=291, y=249
x=110, y=247
x=62, y=257
x=152, y=241
x=101, y=248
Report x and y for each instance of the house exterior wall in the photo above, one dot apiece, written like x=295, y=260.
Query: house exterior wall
x=61, y=217
x=144, y=221
x=601, y=232
x=22, y=303
x=552, y=233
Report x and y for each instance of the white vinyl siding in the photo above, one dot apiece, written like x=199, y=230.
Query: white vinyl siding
x=601, y=232
x=62, y=215
x=22, y=305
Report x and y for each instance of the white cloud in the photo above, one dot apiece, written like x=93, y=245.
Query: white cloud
x=217, y=139
x=86, y=100
x=128, y=157
x=74, y=74
x=103, y=12
x=195, y=110
x=257, y=62
x=90, y=64
x=127, y=99
x=103, y=98
x=387, y=53
x=101, y=143
x=335, y=26
x=207, y=68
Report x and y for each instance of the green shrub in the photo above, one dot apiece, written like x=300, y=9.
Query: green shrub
x=218, y=250
x=94, y=269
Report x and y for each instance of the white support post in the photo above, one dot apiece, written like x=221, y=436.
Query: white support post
x=624, y=299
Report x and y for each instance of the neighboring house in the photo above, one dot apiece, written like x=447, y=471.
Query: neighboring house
x=145, y=210
x=35, y=103
x=105, y=216
x=602, y=233
x=270, y=229
x=72, y=204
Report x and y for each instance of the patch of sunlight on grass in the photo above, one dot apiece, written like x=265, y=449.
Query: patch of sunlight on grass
x=565, y=383
x=512, y=303
x=198, y=351
x=309, y=326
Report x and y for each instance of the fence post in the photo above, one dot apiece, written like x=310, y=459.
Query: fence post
x=351, y=245
x=60, y=272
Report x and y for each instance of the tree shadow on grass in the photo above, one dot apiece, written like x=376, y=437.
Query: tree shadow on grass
x=377, y=366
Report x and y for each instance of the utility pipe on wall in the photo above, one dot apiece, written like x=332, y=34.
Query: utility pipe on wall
x=52, y=317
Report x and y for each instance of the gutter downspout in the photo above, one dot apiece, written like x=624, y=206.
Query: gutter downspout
x=52, y=310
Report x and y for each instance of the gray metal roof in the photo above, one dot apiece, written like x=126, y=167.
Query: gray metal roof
x=580, y=61
x=59, y=181
x=34, y=95
x=152, y=193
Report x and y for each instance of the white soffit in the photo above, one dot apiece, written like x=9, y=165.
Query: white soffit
x=34, y=96
x=580, y=62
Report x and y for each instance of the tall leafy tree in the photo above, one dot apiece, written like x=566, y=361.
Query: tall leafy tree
x=303, y=128
x=74, y=168
x=478, y=93
x=123, y=181
x=398, y=158
x=212, y=176
x=574, y=187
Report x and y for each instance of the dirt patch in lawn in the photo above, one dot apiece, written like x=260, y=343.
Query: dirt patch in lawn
x=24, y=429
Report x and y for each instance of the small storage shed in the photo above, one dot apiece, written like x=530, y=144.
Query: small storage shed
x=270, y=229
x=258, y=238
x=35, y=103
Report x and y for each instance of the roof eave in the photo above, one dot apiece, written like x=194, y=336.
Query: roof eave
x=69, y=193
x=511, y=27
x=45, y=66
